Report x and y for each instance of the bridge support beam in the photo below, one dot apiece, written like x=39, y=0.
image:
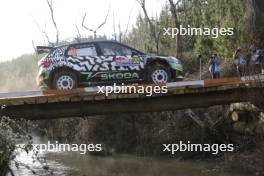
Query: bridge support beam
x=152, y=104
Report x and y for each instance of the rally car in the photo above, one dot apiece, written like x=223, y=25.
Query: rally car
x=103, y=62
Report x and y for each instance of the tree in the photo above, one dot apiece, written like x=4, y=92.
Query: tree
x=154, y=29
x=255, y=21
x=50, y=4
x=98, y=27
x=174, y=12
x=43, y=30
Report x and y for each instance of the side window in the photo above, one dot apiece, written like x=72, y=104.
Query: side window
x=82, y=50
x=109, y=49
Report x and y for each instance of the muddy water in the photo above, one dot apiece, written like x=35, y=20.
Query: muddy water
x=75, y=164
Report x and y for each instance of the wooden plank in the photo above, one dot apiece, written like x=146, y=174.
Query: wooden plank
x=30, y=100
x=88, y=98
x=222, y=81
x=121, y=96
x=143, y=96
x=176, y=91
x=90, y=93
x=91, y=90
x=194, y=86
x=162, y=103
x=111, y=96
x=76, y=99
x=41, y=100
x=99, y=97
x=147, y=85
x=20, y=94
x=53, y=99
x=64, y=92
x=63, y=99
x=185, y=83
x=158, y=95
x=13, y=102
x=226, y=87
x=193, y=91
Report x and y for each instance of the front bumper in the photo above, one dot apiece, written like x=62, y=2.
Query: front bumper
x=177, y=71
x=176, y=66
x=177, y=75
x=42, y=79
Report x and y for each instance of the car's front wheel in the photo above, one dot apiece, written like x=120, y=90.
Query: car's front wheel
x=159, y=74
x=65, y=80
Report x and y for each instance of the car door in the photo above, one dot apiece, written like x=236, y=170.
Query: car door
x=124, y=62
x=84, y=59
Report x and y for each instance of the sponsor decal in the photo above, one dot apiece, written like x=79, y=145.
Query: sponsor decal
x=119, y=76
x=135, y=60
x=88, y=74
x=127, y=60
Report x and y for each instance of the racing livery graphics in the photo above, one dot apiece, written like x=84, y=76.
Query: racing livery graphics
x=102, y=62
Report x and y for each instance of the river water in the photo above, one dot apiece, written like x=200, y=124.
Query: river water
x=75, y=164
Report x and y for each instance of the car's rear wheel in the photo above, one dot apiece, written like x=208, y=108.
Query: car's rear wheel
x=159, y=74
x=65, y=80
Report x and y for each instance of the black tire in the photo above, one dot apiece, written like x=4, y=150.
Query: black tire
x=64, y=80
x=159, y=74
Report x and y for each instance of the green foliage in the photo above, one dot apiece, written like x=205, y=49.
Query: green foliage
x=11, y=133
x=219, y=14
x=140, y=36
x=197, y=14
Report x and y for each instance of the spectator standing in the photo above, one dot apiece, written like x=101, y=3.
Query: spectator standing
x=255, y=59
x=211, y=66
x=217, y=67
x=239, y=62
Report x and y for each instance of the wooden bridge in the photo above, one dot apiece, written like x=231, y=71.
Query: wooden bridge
x=84, y=102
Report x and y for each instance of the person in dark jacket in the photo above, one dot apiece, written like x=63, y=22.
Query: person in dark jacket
x=240, y=62
x=214, y=66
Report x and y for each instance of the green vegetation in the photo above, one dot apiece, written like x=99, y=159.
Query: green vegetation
x=236, y=14
x=11, y=133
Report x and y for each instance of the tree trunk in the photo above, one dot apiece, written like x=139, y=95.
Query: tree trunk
x=153, y=30
x=255, y=21
x=173, y=9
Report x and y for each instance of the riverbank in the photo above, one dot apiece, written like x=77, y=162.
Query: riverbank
x=11, y=132
x=143, y=135
x=134, y=142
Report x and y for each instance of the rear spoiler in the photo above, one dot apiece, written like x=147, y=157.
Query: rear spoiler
x=43, y=49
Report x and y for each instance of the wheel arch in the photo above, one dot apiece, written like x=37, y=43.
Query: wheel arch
x=63, y=68
x=156, y=61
